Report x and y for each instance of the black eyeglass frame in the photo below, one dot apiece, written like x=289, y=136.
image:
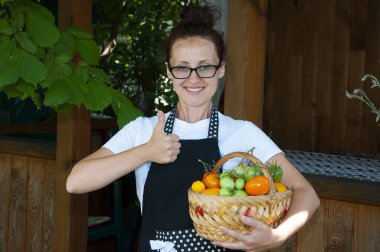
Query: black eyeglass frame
x=194, y=69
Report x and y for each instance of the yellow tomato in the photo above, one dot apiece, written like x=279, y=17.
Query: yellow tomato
x=280, y=187
x=198, y=186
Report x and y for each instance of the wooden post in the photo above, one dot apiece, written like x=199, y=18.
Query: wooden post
x=73, y=143
x=246, y=36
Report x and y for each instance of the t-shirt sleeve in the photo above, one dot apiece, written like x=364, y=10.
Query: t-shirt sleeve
x=125, y=138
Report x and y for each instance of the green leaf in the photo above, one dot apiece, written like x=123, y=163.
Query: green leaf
x=5, y=27
x=89, y=51
x=11, y=91
x=79, y=33
x=8, y=75
x=6, y=49
x=64, y=68
x=31, y=69
x=25, y=88
x=126, y=114
x=51, y=78
x=62, y=58
x=25, y=42
x=18, y=19
x=75, y=90
x=99, y=74
x=42, y=31
x=80, y=73
x=39, y=10
x=57, y=94
x=98, y=97
x=66, y=45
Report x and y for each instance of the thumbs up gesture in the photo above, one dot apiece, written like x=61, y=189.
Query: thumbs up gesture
x=163, y=148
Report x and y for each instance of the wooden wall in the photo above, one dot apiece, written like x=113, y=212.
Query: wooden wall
x=315, y=51
x=338, y=226
x=27, y=202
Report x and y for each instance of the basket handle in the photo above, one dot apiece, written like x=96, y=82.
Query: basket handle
x=221, y=161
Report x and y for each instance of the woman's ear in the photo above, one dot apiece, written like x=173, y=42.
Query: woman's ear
x=221, y=70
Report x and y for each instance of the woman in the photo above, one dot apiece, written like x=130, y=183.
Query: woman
x=164, y=150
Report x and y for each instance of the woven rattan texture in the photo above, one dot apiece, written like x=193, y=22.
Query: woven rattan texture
x=349, y=167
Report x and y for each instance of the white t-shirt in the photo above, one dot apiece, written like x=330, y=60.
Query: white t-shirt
x=234, y=135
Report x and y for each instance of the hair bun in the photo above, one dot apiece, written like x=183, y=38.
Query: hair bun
x=200, y=14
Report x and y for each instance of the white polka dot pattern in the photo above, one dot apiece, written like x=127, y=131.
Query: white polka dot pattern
x=187, y=240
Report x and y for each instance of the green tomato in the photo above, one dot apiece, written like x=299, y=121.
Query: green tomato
x=251, y=172
x=276, y=172
x=239, y=183
x=225, y=174
x=227, y=182
x=238, y=170
x=225, y=192
x=239, y=192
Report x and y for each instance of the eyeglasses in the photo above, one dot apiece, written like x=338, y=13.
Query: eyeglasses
x=183, y=72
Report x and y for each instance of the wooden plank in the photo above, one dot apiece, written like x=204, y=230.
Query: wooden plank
x=354, y=115
x=18, y=204
x=254, y=95
x=311, y=236
x=324, y=64
x=358, y=24
x=73, y=144
x=309, y=77
x=34, y=217
x=367, y=229
x=339, y=225
x=5, y=182
x=237, y=50
x=48, y=205
x=371, y=138
x=27, y=147
x=339, y=77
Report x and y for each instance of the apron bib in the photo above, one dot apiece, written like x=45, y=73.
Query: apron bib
x=165, y=207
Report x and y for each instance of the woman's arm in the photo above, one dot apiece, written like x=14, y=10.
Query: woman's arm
x=103, y=167
x=304, y=203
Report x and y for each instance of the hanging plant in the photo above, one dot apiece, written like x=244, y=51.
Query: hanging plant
x=58, y=69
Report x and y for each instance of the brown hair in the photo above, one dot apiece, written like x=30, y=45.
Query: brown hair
x=197, y=21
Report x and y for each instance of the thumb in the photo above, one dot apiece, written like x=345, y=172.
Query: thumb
x=160, y=122
x=251, y=222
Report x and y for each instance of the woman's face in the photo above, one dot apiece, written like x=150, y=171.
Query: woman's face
x=194, y=52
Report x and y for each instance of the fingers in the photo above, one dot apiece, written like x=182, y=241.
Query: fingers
x=251, y=222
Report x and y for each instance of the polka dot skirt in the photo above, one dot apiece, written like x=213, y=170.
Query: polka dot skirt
x=187, y=240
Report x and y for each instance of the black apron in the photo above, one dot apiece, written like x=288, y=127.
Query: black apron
x=165, y=201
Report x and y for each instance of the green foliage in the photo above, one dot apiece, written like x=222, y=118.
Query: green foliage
x=362, y=96
x=132, y=35
x=36, y=57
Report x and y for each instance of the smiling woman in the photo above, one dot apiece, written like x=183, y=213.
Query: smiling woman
x=164, y=150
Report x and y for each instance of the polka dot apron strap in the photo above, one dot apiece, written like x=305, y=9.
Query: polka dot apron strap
x=214, y=124
x=212, y=129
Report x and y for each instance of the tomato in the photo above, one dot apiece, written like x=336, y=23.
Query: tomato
x=280, y=187
x=276, y=172
x=211, y=180
x=258, y=185
x=198, y=186
x=211, y=191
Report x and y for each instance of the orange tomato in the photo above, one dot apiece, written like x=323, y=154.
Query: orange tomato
x=211, y=191
x=198, y=186
x=258, y=185
x=211, y=180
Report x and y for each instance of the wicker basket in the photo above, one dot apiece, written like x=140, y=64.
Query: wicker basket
x=209, y=212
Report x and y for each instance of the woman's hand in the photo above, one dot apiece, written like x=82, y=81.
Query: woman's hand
x=162, y=148
x=261, y=238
